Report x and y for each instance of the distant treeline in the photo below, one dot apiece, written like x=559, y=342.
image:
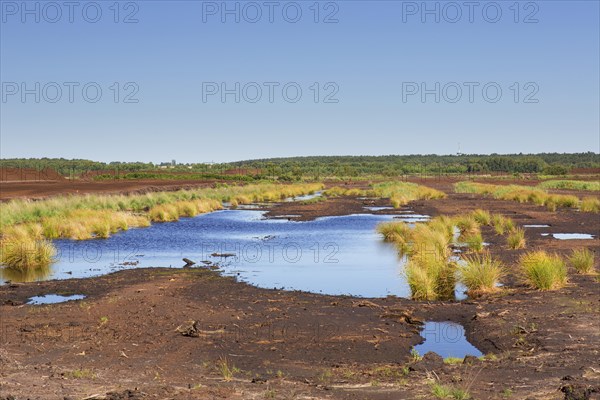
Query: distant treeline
x=320, y=166
x=544, y=163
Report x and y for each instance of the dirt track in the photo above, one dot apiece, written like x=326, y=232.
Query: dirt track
x=293, y=345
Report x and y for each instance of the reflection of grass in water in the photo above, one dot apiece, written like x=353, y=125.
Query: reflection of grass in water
x=28, y=275
x=23, y=248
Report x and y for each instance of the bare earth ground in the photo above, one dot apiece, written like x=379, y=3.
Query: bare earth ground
x=121, y=341
x=41, y=189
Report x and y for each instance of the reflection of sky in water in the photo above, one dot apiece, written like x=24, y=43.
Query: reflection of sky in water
x=53, y=299
x=446, y=339
x=570, y=236
x=332, y=255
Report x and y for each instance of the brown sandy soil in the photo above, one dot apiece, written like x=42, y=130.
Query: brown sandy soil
x=122, y=338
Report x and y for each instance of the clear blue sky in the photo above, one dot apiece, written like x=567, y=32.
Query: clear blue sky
x=370, y=55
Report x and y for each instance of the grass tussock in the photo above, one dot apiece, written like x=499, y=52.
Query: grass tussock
x=24, y=248
x=397, y=232
x=429, y=273
x=516, y=239
x=590, y=204
x=544, y=271
x=481, y=273
x=430, y=277
x=482, y=217
x=523, y=194
x=583, y=261
x=571, y=185
x=474, y=242
x=401, y=193
x=502, y=224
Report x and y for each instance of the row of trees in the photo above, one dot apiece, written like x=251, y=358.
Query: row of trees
x=341, y=166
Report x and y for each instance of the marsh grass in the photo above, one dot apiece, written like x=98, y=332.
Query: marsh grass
x=429, y=273
x=23, y=248
x=502, y=224
x=25, y=225
x=474, y=242
x=590, y=204
x=582, y=260
x=482, y=217
x=399, y=233
x=468, y=226
x=523, y=194
x=544, y=271
x=430, y=278
x=571, y=185
x=401, y=193
x=481, y=273
x=516, y=239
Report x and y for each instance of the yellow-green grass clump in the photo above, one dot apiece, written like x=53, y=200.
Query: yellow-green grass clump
x=88, y=224
x=502, y=224
x=482, y=217
x=24, y=248
x=429, y=273
x=481, y=273
x=582, y=260
x=522, y=194
x=191, y=208
x=401, y=193
x=571, y=185
x=590, y=204
x=337, y=191
x=428, y=240
x=397, y=232
x=544, y=271
x=474, y=242
x=468, y=226
x=443, y=223
x=430, y=277
x=516, y=239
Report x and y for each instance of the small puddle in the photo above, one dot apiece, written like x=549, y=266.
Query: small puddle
x=304, y=197
x=446, y=339
x=570, y=236
x=378, y=208
x=536, y=226
x=53, y=299
x=413, y=218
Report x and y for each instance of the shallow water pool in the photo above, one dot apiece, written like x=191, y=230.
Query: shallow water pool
x=54, y=299
x=331, y=255
x=446, y=339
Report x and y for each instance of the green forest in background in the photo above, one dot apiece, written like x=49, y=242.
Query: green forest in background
x=318, y=167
